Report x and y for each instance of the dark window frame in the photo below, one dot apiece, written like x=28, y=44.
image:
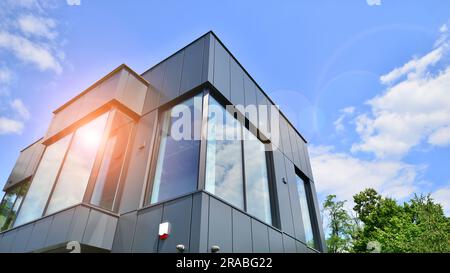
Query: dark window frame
x=245, y=123
x=311, y=207
x=150, y=183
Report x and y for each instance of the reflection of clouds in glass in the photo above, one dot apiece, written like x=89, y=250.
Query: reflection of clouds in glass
x=36, y=198
x=223, y=163
x=258, y=198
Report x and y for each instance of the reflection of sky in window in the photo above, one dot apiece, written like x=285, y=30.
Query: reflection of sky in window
x=177, y=167
x=309, y=236
x=36, y=198
x=77, y=167
x=223, y=159
x=258, y=198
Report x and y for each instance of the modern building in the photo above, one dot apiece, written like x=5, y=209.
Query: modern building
x=173, y=159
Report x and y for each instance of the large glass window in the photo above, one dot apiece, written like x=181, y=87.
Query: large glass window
x=224, y=176
x=112, y=162
x=11, y=203
x=176, y=170
x=74, y=176
x=304, y=197
x=256, y=178
x=42, y=183
x=236, y=165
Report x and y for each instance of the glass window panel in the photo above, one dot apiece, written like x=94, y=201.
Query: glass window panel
x=305, y=210
x=5, y=209
x=256, y=180
x=176, y=170
x=224, y=176
x=107, y=182
x=77, y=167
x=42, y=183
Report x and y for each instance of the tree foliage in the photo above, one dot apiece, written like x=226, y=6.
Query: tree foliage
x=418, y=225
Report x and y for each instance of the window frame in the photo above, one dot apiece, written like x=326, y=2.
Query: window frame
x=207, y=93
x=253, y=129
x=150, y=179
x=311, y=207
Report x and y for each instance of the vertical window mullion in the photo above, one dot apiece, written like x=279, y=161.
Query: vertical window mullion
x=203, y=141
x=244, y=182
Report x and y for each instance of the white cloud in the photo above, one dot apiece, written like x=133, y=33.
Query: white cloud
x=8, y=126
x=5, y=75
x=345, y=175
x=37, y=26
x=73, y=2
x=413, y=110
x=442, y=196
x=18, y=107
x=28, y=51
x=339, y=123
x=373, y=2
x=416, y=67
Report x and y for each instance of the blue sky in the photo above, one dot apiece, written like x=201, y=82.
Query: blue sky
x=365, y=81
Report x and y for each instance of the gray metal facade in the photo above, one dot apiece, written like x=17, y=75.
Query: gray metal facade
x=198, y=220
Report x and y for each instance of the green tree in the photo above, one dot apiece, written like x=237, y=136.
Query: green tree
x=340, y=224
x=416, y=226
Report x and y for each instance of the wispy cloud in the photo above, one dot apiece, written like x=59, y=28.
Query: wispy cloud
x=73, y=2
x=18, y=107
x=13, y=118
x=373, y=2
x=344, y=113
x=30, y=52
x=10, y=126
x=37, y=26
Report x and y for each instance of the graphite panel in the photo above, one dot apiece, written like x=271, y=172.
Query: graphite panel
x=282, y=191
x=260, y=237
x=8, y=241
x=295, y=202
x=284, y=134
x=295, y=150
x=250, y=99
x=155, y=77
x=100, y=230
x=21, y=240
x=178, y=214
x=199, y=223
x=39, y=234
x=303, y=157
x=78, y=225
x=123, y=240
x=222, y=70
x=172, y=78
x=220, y=228
x=242, y=232
x=289, y=244
x=60, y=227
x=237, y=83
x=191, y=75
x=147, y=227
x=275, y=241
